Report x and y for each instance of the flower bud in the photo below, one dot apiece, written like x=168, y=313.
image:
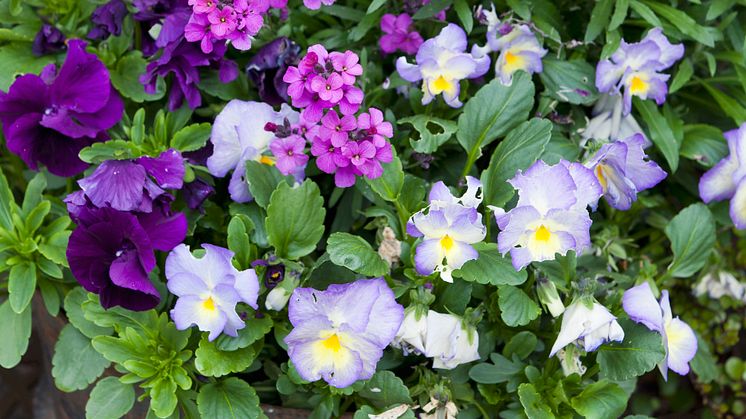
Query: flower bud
x=277, y=299
x=549, y=297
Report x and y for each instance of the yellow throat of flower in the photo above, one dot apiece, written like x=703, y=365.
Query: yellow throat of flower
x=638, y=86
x=332, y=343
x=446, y=242
x=542, y=234
x=209, y=304
x=601, y=176
x=269, y=161
x=441, y=84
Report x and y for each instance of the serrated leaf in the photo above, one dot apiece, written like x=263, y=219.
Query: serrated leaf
x=692, y=235
x=295, y=219
x=516, y=308
x=74, y=310
x=125, y=77
x=192, y=137
x=490, y=268
x=262, y=180
x=111, y=150
x=231, y=398
x=212, y=362
x=355, y=254
x=533, y=403
x=110, y=399
x=75, y=364
x=385, y=389
x=637, y=354
x=255, y=329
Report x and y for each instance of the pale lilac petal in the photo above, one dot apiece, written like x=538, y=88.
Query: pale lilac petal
x=682, y=346
x=641, y=306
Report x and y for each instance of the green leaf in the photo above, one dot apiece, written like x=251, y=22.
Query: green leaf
x=163, y=398
x=704, y=144
x=492, y=112
x=522, y=344
x=17, y=59
x=111, y=150
x=231, y=398
x=364, y=26
x=192, y=137
x=639, y=353
x=74, y=309
x=431, y=9
x=375, y=5
x=499, y=371
x=490, y=268
x=263, y=180
x=519, y=150
x=599, y=19
x=620, y=13
x=464, y=14
x=683, y=75
x=692, y=235
x=433, y=131
x=645, y=12
x=15, y=329
x=295, y=219
x=600, y=400
x=385, y=389
x=35, y=218
x=34, y=193
x=125, y=77
x=704, y=364
x=660, y=132
x=110, y=399
x=533, y=402
x=255, y=329
x=7, y=204
x=516, y=308
x=355, y=254
x=571, y=81
x=238, y=239
x=683, y=22
x=55, y=246
x=75, y=364
x=729, y=105
x=390, y=184
x=212, y=362
x=718, y=7
x=21, y=285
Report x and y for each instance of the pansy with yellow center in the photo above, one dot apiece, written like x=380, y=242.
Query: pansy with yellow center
x=208, y=289
x=679, y=339
x=339, y=334
x=551, y=216
x=518, y=47
x=441, y=63
x=637, y=68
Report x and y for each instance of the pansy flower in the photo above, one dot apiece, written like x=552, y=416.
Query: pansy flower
x=589, y=324
x=448, y=228
x=725, y=180
x=208, y=289
x=238, y=135
x=441, y=63
x=623, y=171
x=637, y=68
x=107, y=20
x=47, y=119
x=678, y=338
x=333, y=342
x=551, y=215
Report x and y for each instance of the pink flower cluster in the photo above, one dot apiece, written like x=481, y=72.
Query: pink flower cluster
x=322, y=85
x=399, y=34
x=236, y=21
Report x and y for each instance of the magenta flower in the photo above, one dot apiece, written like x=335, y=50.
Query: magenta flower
x=351, y=101
x=362, y=155
x=336, y=128
x=203, y=6
x=289, y=154
x=316, y=4
x=223, y=21
x=328, y=157
x=249, y=14
x=346, y=64
x=399, y=34
x=376, y=126
x=199, y=29
x=296, y=78
x=328, y=88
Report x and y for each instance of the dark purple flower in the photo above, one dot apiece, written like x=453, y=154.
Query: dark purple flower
x=49, y=40
x=267, y=67
x=111, y=252
x=107, y=20
x=274, y=275
x=196, y=192
x=126, y=185
x=48, y=119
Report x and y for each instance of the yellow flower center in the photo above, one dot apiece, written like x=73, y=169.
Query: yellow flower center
x=267, y=160
x=446, y=242
x=638, y=85
x=442, y=84
x=542, y=234
x=510, y=58
x=332, y=343
x=601, y=177
x=209, y=304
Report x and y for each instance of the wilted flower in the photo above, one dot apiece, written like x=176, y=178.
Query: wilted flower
x=608, y=123
x=110, y=252
x=330, y=340
x=49, y=40
x=238, y=135
x=678, y=338
x=590, y=324
x=726, y=179
x=636, y=68
x=623, y=172
x=551, y=215
x=441, y=63
x=720, y=284
x=390, y=248
x=570, y=361
x=412, y=332
x=47, y=119
x=107, y=20
x=448, y=227
x=208, y=289
x=399, y=34
x=126, y=185
x=266, y=68
x=449, y=341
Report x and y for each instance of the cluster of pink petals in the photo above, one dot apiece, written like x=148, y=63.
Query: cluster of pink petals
x=399, y=35
x=236, y=21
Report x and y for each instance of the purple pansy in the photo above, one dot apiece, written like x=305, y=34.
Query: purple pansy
x=133, y=185
x=110, y=252
x=678, y=338
x=623, y=172
x=208, y=289
x=725, y=180
x=448, y=227
x=266, y=68
x=49, y=40
x=399, y=34
x=238, y=135
x=47, y=119
x=331, y=342
x=551, y=215
x=441, y=63
x=637, y=68
x=107, y=20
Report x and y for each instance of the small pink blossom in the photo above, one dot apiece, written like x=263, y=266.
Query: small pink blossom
x=223, y=21
x=346, y=64
x=399, y=34
x=289, y=153
x=336, y=128
x=329, y=88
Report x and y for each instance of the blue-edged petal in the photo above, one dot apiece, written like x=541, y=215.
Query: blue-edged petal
x=640, y=305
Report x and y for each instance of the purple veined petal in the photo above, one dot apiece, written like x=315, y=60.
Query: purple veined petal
x=670, y=53
x=82, y=85
x=104, y=118
x=369, y=352
x=27, y=95
x=432, y=225
x=452, y=37
x=575, y=223
x=440, y=192
x=467, y=227
x=738, y=206
x=247, y=285
x=737, y=146
x=588, y=189
x=681, y=346
x=132, y=285
x=238, y=188
x=450, y=96
x=545, y=187
x=165, y=230
x=63, y=121
x=572, y=327
x=116, y=183
x=407, y=71
x=428, y=256
x=387, y=315
x=640, y=305
x=167, y=169
x=540, y=249
x=339, y=368
x=610, y=331
x=608, y=75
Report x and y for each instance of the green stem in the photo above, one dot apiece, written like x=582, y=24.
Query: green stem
x=481, y=409
x=403, y=217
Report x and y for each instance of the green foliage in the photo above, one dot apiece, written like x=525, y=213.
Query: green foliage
x=639, y=353
x=355, y=254
x=110, y=399
x=231, y=398
x=692, y=235
x=295, y=219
